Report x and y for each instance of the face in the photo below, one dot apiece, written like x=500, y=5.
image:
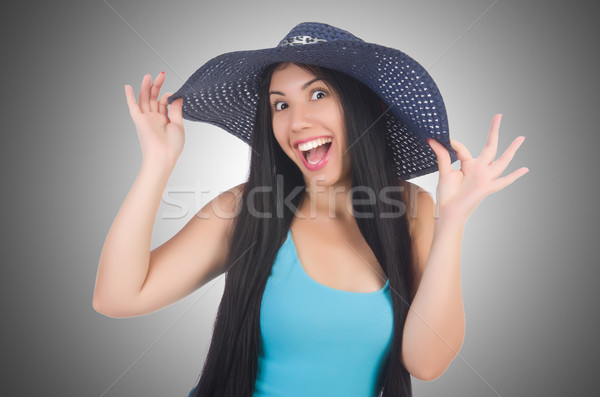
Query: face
x=308, y=123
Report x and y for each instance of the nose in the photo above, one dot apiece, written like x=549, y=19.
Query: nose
x=301, y=117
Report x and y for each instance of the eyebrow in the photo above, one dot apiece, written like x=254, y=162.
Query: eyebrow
x=305, y=86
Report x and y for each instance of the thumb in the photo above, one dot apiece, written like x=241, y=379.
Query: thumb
x=175, y=111
x=443, y=157
x=163, y=103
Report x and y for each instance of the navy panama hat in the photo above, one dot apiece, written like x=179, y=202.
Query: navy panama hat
x=225, y=90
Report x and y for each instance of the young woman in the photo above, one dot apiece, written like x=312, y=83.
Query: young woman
x=342, y=278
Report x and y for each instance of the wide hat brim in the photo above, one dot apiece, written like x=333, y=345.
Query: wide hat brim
x=224, y=91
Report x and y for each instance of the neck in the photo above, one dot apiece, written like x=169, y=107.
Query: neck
x=331, y=202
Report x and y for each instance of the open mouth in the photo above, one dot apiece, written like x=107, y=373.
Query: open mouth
x=315, y=151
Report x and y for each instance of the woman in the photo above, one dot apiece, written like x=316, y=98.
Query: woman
x=341, y=279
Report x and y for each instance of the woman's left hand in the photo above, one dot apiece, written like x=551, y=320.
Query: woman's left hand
x=459, y=192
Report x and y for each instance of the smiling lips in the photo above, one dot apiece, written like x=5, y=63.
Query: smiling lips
x=315, y=152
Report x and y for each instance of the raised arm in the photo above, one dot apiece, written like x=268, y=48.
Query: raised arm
x=133, y=280
x=435, y=325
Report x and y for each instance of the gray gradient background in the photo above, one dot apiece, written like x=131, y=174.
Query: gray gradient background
x=70, y=154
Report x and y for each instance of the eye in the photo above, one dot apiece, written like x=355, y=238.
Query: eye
x=318, y=94
x=280, y=105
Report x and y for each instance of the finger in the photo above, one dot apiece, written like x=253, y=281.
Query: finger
x=503, y=182
x=461, y=150
x=500, y=165
x=489, y=150
x=144, y=96
x=134, y=109
x=175, y=112
x=443, y=157
x=163, y=103
x=155, y=90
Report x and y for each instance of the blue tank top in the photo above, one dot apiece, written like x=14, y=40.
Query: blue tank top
x=317, y=340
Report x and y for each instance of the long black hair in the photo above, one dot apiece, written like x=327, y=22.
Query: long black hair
x=261, y=227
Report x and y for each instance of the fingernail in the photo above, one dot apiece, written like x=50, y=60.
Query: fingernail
x=163, y=72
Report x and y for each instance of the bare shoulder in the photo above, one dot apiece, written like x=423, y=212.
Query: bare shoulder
x=420, y=207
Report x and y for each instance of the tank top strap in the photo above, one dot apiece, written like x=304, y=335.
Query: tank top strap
x=285, y=261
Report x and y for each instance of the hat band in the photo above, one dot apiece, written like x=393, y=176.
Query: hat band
x=300, y=40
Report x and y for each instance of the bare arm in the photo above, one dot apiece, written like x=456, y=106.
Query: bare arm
x=132, y=283
x=125, y=257
x=131, y=279
x=435, y=325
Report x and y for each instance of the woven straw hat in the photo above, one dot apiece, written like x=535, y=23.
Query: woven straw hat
x=224, y=91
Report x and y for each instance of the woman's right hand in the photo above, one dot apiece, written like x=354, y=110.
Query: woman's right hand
x=161, y=138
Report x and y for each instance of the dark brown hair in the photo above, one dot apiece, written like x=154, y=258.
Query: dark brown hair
x=231, y=366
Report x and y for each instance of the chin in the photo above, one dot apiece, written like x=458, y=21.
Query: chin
x=323, y=179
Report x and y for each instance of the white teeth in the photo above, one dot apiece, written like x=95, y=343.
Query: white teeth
x=313, y=144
